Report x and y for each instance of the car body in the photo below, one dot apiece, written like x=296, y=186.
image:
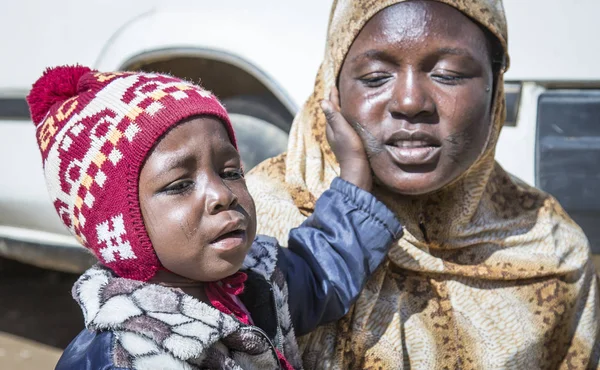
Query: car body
x=261, y=58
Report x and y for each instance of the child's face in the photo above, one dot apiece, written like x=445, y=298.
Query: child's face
x=196, y=207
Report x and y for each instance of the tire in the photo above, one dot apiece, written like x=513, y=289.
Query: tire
x=261, y=126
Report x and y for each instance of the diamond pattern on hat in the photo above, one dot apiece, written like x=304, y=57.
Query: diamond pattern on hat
x=112, y=234
x=115, y=156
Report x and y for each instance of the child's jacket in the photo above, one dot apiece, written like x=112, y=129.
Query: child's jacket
x=136, y=325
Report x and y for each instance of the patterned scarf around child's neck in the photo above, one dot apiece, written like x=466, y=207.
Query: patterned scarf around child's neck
x=220, y=293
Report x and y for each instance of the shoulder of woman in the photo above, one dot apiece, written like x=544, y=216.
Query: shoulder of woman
x=273, y=168
x=547, y=208
x=535, y=223
x=266, y=181
x=554, y=227
x=276, y=211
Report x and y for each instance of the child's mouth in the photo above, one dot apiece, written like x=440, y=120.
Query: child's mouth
x=230, y=240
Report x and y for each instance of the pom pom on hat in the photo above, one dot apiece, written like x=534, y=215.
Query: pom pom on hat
x=55, y=86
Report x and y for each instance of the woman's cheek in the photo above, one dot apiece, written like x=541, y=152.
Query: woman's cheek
x=462, y=110
x=370, y=113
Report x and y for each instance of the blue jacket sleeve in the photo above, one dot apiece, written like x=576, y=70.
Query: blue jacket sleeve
x=331, y=255
x=88, y=351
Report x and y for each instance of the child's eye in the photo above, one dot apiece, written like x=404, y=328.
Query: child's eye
x=178, y=187
x=235, y=174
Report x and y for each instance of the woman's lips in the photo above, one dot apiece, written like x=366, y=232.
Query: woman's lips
x=230, y=241
x=414, y=152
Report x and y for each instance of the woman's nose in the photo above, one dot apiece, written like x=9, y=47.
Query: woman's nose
x=410, y=98
x=219, y=197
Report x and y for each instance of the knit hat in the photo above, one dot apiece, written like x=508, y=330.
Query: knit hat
x=95, y=131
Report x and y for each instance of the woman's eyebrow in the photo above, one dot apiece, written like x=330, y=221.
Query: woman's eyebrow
x=375, y=54
x=455, y=51
x=381, y=55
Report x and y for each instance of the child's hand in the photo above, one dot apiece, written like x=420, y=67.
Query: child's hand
x=346, y=144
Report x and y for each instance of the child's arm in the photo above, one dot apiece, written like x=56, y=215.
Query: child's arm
x=331, y=255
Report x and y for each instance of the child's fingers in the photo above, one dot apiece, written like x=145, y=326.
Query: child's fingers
x=334, y=97
x=333, y=116
x=329, y=134
x=329, y=115
x=343, y=136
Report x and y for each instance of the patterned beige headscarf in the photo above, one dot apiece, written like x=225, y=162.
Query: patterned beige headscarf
x=490, y=274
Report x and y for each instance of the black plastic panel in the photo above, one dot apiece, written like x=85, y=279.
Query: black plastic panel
x=568, y=155
x=14, y=108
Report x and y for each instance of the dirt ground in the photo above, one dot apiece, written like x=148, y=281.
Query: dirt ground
x=38, y=317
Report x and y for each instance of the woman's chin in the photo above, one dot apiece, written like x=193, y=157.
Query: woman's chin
x=411, y=184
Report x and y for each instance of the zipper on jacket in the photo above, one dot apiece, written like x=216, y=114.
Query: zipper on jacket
x=278, y=331
x=262, y=333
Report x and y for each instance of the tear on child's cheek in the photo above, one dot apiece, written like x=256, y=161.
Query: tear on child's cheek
x=186, y=229
x=148, y=217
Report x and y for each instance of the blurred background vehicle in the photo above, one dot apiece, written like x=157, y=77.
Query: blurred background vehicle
x=261, y=58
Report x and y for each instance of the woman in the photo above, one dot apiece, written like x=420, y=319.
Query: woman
x=491, y=273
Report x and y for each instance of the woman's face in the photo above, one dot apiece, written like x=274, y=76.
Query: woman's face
x=418, y=78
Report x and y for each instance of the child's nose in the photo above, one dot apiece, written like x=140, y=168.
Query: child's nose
x=220, y=198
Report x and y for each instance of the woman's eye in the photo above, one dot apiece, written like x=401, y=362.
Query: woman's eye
x=236, y=174
x=448, y=78
x=179, y=187
x=374, y=79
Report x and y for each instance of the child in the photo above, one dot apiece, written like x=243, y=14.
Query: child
x=143, y=169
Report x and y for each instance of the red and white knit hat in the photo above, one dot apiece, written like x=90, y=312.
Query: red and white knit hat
x=95, y=131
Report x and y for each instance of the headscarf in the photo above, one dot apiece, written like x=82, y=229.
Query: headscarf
x=490, y=273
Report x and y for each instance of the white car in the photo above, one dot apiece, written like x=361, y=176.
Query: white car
x=261, y=58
